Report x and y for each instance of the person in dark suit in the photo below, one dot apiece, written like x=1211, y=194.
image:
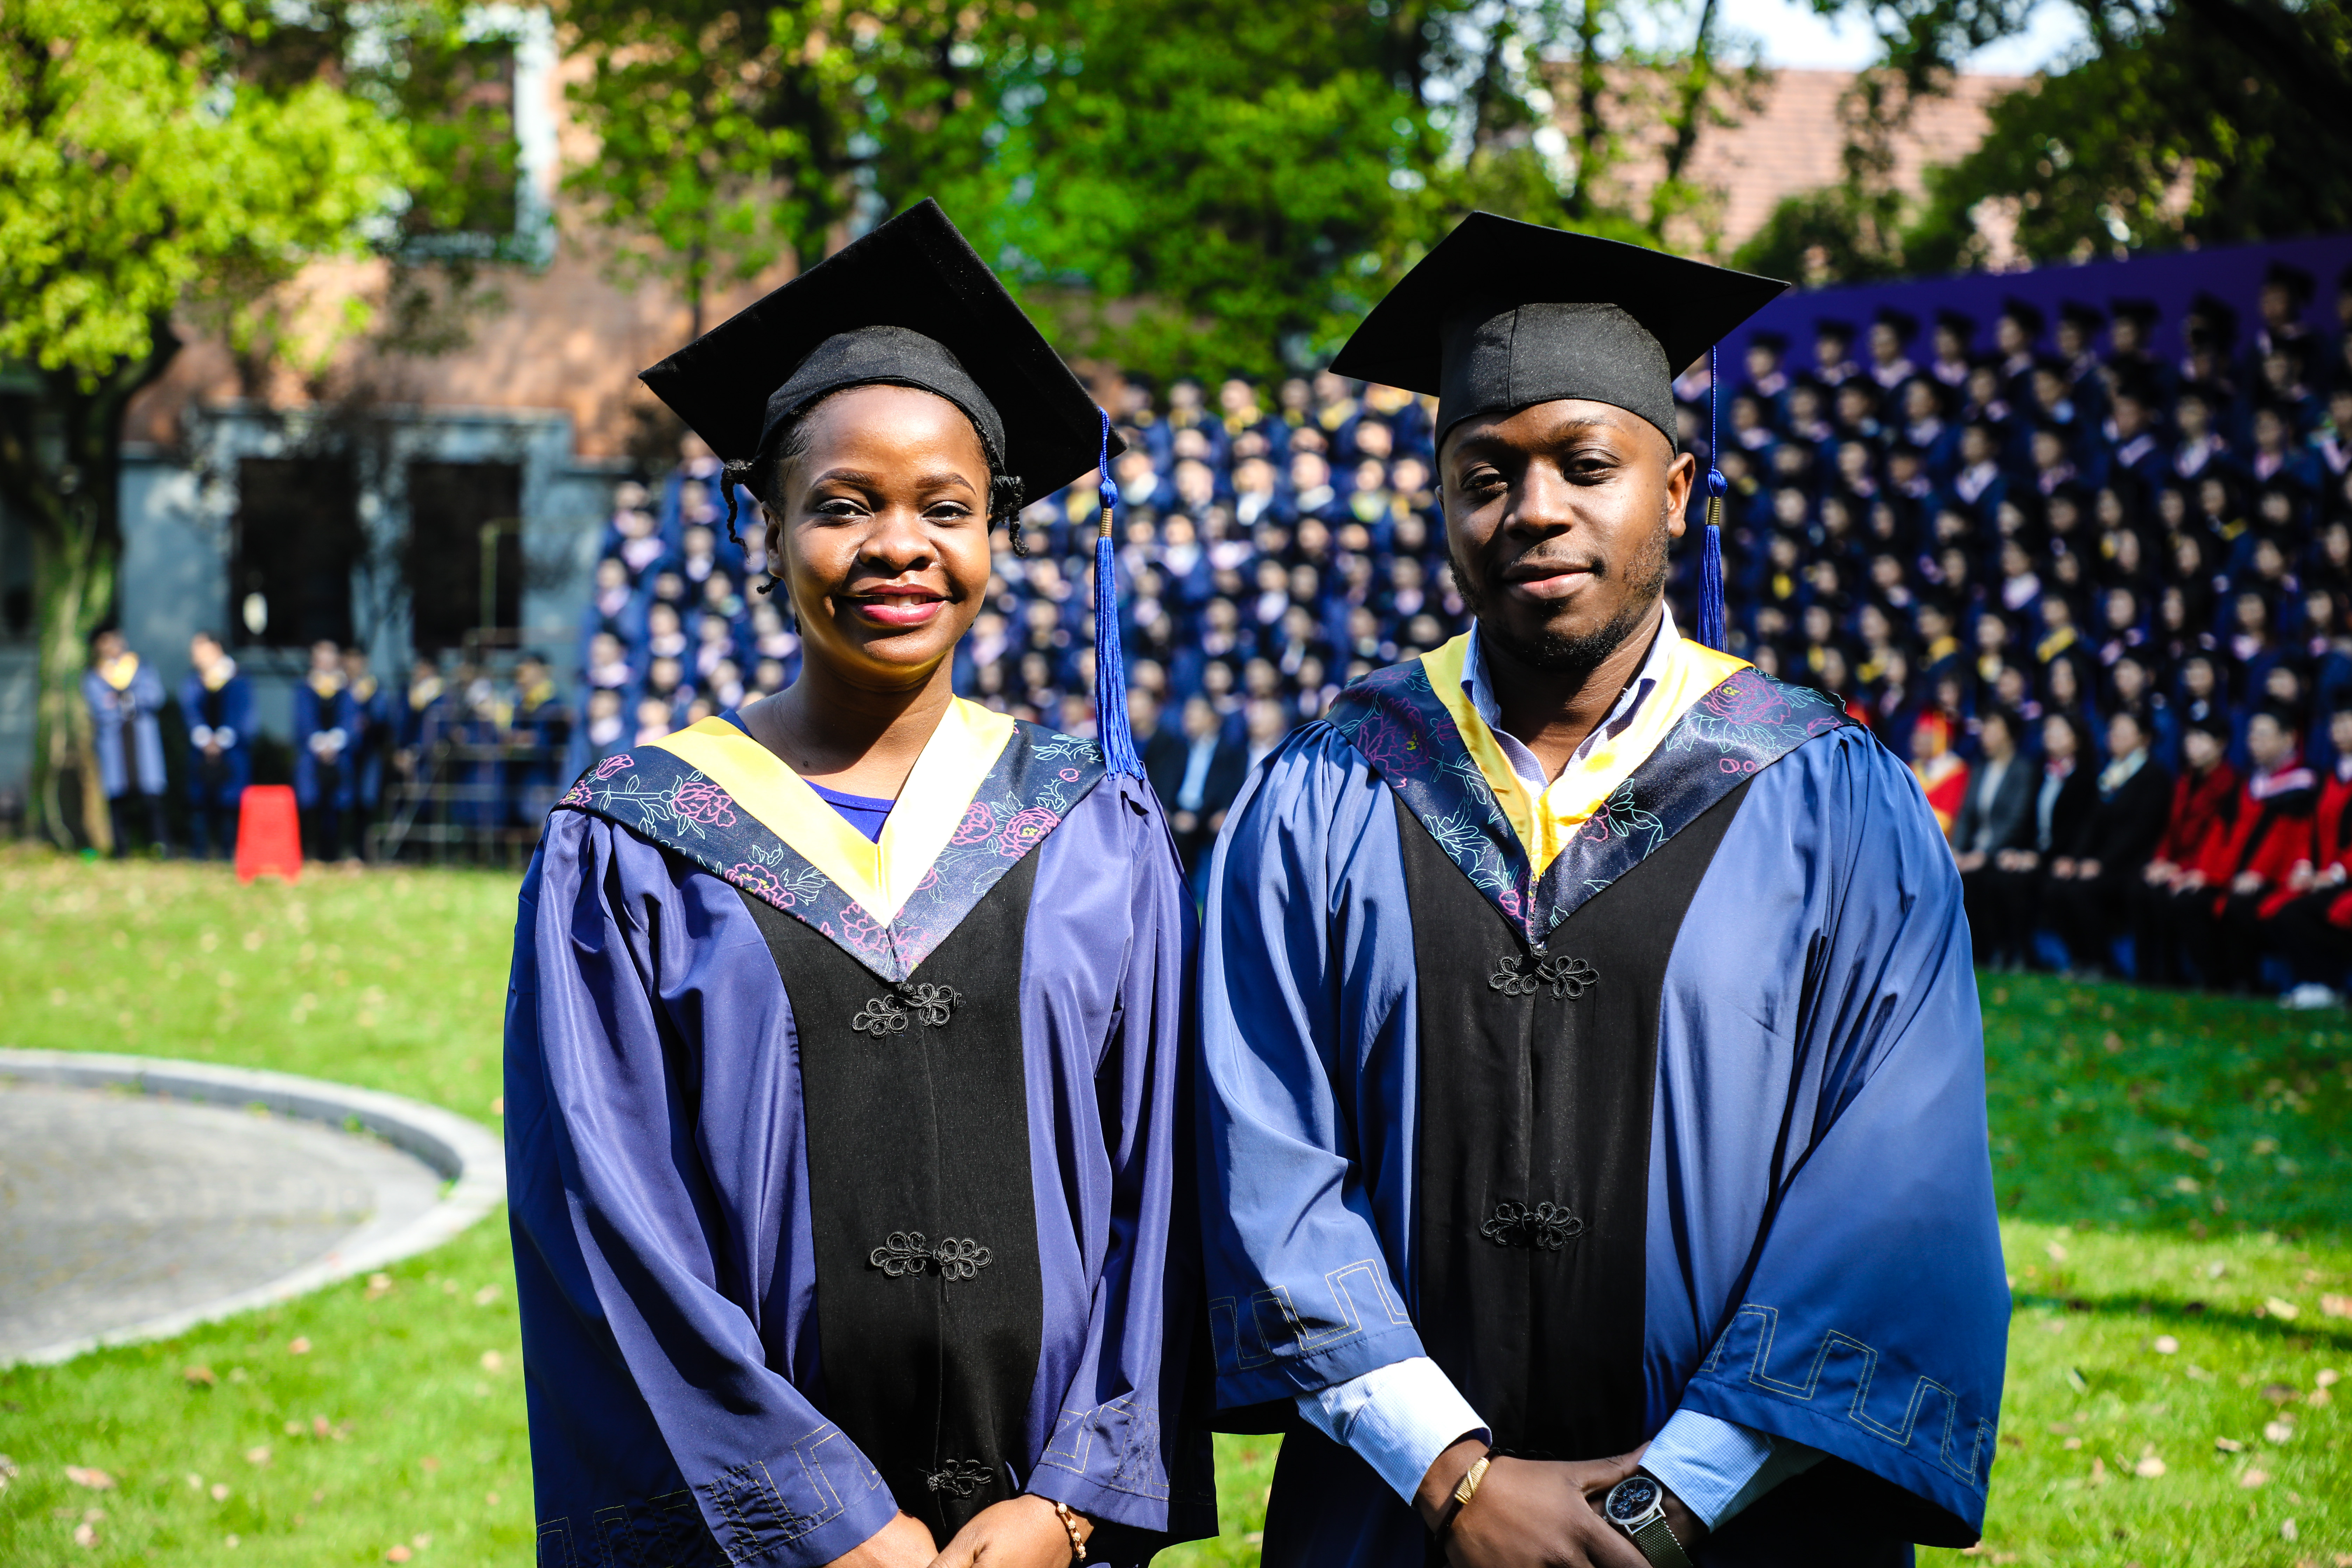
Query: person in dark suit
x=1161, y=748
x=1212, y=776
x=2083, y=900
x=2064, y=797
x=1994, y=818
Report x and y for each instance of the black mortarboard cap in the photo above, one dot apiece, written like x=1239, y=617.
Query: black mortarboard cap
x=2076, y=312
x=1831, y=326
x=2025, y=314
x=910, y=304
x=1905, y=325
x=1502, y=315
x=2143, y=312
x=2212, y=320
x=2294, y=279
x=1776, y=341
x=1957, y=321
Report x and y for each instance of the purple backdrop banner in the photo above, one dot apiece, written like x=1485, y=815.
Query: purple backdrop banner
x=2233, y=274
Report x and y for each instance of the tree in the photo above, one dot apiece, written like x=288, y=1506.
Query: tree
x=1210, y=185
x=155, y=156
x=2180, y=122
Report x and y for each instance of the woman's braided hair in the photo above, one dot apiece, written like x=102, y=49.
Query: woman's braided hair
x=1006, y=493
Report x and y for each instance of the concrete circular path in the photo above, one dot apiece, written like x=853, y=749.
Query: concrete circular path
x=139, y=1197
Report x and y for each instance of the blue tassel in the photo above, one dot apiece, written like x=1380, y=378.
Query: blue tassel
x=1710, y=550
x=1111, y=728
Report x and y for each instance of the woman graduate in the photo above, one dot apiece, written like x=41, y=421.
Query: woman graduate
x=848, y=1035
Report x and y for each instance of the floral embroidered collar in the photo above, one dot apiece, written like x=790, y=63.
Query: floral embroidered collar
x=1403, y=728
x=715, y=796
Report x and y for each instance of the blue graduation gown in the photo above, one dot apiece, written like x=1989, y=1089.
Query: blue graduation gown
x=658, y=1156
x=1823, y=1256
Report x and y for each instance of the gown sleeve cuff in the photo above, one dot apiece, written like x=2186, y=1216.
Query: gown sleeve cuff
x=1398, y=1418
x=1717, y=1468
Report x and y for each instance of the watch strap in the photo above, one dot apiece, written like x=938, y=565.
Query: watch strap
x=1656, y=1540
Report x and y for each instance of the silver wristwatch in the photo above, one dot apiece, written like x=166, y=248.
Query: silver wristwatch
x=1636, y=1506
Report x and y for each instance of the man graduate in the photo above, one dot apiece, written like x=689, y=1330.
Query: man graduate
x=1590, y=1051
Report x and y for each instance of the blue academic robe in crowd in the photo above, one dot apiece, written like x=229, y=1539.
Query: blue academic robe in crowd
x=223, y=714
x=662, y=1136
x=129, y=741
x=375, y=733
x=318, y=713
x=1823, y=1257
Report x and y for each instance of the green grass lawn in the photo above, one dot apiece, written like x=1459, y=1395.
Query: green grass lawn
x=2173, y=1171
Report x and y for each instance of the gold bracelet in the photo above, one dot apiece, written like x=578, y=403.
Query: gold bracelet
x=1469, y=1486
x=1070, y=1522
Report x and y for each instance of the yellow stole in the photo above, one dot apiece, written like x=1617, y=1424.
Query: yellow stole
x=879, y=876
x=1545, y=822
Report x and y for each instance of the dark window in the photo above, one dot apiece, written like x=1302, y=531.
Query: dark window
x=464, y=552
x=461, y=99
x=297, y=538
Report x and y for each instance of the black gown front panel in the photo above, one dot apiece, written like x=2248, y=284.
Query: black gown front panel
x=930, y=1306
x=1537, y=1067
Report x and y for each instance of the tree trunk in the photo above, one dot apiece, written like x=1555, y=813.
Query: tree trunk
x=61, y=471
x=73, y=589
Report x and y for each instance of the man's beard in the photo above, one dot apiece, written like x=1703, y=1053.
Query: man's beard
x=1578, y=655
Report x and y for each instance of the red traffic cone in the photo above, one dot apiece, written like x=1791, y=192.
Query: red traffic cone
x=268, y=833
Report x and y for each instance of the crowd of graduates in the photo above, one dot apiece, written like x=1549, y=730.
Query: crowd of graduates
x=475, y=751
x=2099, y=599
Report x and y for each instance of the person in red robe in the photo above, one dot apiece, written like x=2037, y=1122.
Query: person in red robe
x=2308, y=921
x=2204, y=805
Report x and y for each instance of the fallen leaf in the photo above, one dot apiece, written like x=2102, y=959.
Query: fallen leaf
x=421, y=1540
x=83, y=1476
x=2165, y=1344
x=486, y=1295
x=492, y=1498
x=2256, y=1478
x=228, y=1540
x=2057, y=1252
x=492, y=1361
x=2098, y=1471
x=7, y=1471
x=2229, y=1445
x=257, y=1456
x=2282, y=1308
x=430, y=1464
x=85, y=1535
x=2318, y=1397
x=195, y=1482
x=297, y=1346
x=498, y=1105
x=398, y=1554
x=2148, y=1469
x=2279, y=1393
x=2337, y=1306
x=220, y=1492
x=200, y=1376
x=2074, y=1442
x=293, y=1428
x=2279, y=1431
x=379, y=1285
x=2287, y=1530
x=2328, y=1377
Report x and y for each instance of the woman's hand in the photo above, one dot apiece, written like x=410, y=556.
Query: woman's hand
x=904, y=1542
x=1022, y=1533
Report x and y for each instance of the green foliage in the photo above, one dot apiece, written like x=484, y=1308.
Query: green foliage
x=2180, y=130
x=138, y=163
x=2182, y=122
x=1206, y=186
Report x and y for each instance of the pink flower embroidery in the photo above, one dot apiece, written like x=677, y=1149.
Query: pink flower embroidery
x=1388, y=746
x=1025, y=830
x=760, y=883
x=578, y=794
x=979, y=821
x=698, y=800
x=1069, y=775
x=618, y=761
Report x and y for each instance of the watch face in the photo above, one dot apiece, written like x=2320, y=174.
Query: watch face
x=1631, y=1498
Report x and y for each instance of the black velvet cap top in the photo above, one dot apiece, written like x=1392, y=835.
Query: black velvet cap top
x=1502, y=315
x=908, y=304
